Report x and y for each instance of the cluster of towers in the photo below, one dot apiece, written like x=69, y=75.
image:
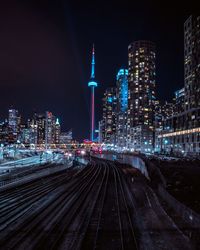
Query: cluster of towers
x=41, y=130
x=134, y=119
x=128, y=107
x=131, y=102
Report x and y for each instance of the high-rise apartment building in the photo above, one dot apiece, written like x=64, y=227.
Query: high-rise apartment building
x=141, y=68
x=192, y=62
x=141, y=99
x=181, y=133
x=109, y=115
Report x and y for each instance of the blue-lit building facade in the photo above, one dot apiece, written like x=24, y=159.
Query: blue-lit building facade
x=121, y=108
x=179, y=100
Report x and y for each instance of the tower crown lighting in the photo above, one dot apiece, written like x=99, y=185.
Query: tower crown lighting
x=92, y=82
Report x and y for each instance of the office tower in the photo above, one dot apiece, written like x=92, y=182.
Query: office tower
x=192, y=62
x=57, y=132
x=6, y=133
x=32, y=125
x=25, y=136
x=39, y=123
x=49, y=129
x=14, y=120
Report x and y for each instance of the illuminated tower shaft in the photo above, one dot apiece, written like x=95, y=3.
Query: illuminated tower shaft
x=92, y=84
x=92, y=115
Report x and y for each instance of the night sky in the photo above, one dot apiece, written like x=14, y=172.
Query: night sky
x=45, y=52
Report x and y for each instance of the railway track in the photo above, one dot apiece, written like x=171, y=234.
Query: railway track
x=14, y=197
x=90, y=208
x=17, y=206
x=18, y=174
x=72, y=217
x=99, y=231
x=73, y=206
x=18, y=230
x=87, y=215
x=91, y=233
x=26, y=195
x=127, y=231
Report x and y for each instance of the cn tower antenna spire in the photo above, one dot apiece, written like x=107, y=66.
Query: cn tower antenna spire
x=92, y=84
x=93, y=63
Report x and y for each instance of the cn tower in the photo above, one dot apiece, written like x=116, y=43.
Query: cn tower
x=92, y=84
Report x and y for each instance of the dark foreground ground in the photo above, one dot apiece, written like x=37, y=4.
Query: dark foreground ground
x=183, y=180
x=102, y=206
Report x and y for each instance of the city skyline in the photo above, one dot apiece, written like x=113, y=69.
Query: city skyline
x=51, y=80
x=39, y=130
x=99, y=125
